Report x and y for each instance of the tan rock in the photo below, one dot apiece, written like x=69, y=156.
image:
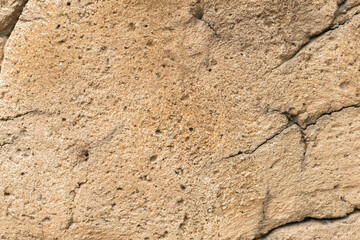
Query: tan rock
x=9, y=14
x=179, y=119
x=345, y=228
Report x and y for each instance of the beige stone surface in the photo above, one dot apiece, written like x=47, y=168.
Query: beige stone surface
x=176, y=119
x=347, y=228
x=9, y=14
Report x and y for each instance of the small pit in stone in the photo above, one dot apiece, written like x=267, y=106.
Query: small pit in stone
x=179, y=171
x=345, y=85
x=84, y=156
x=132, y=26
x=153, y=158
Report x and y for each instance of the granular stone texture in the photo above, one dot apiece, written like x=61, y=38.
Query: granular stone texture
x=346, y=228
x=175, y=119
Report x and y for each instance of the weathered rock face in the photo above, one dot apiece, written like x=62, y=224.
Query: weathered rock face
x=9, y=15
x=345, y=228
x=180, y=119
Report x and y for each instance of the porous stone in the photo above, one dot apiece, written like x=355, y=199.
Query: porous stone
x=179, y=119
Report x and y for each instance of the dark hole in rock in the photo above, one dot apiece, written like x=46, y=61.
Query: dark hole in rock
x=153, y=158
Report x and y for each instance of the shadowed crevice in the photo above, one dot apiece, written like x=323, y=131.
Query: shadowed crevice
x=308, y=219
x=8, y=26
x=291, y=122
x=332, y=26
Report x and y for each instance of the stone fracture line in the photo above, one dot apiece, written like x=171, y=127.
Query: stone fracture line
x=19, y=115
x=308, y=219
x=341, y=10
x=291, y=122
x=5, y=34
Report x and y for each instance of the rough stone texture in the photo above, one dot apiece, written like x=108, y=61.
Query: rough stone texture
x=347, y=228
x=180, y=119
x=9, y=15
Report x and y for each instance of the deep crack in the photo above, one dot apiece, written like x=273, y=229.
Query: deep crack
x=291, y=122
x=328, y=114
x=307, y=219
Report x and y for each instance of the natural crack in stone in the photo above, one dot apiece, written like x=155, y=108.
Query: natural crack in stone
x=180, y=120
x=332, y=26
x=20, y=115
x=327, y=221
x=9, y=16
x=291, y=122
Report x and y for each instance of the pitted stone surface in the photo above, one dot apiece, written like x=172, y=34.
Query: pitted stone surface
x=179, y=119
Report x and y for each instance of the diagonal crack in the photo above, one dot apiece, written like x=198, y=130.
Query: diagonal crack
x=328, y=114
x=251, y=151
x=211, y=27
x=14, y=18
x=308, y=219
x=291, y=122
x=19, y=115
x=332, y=26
